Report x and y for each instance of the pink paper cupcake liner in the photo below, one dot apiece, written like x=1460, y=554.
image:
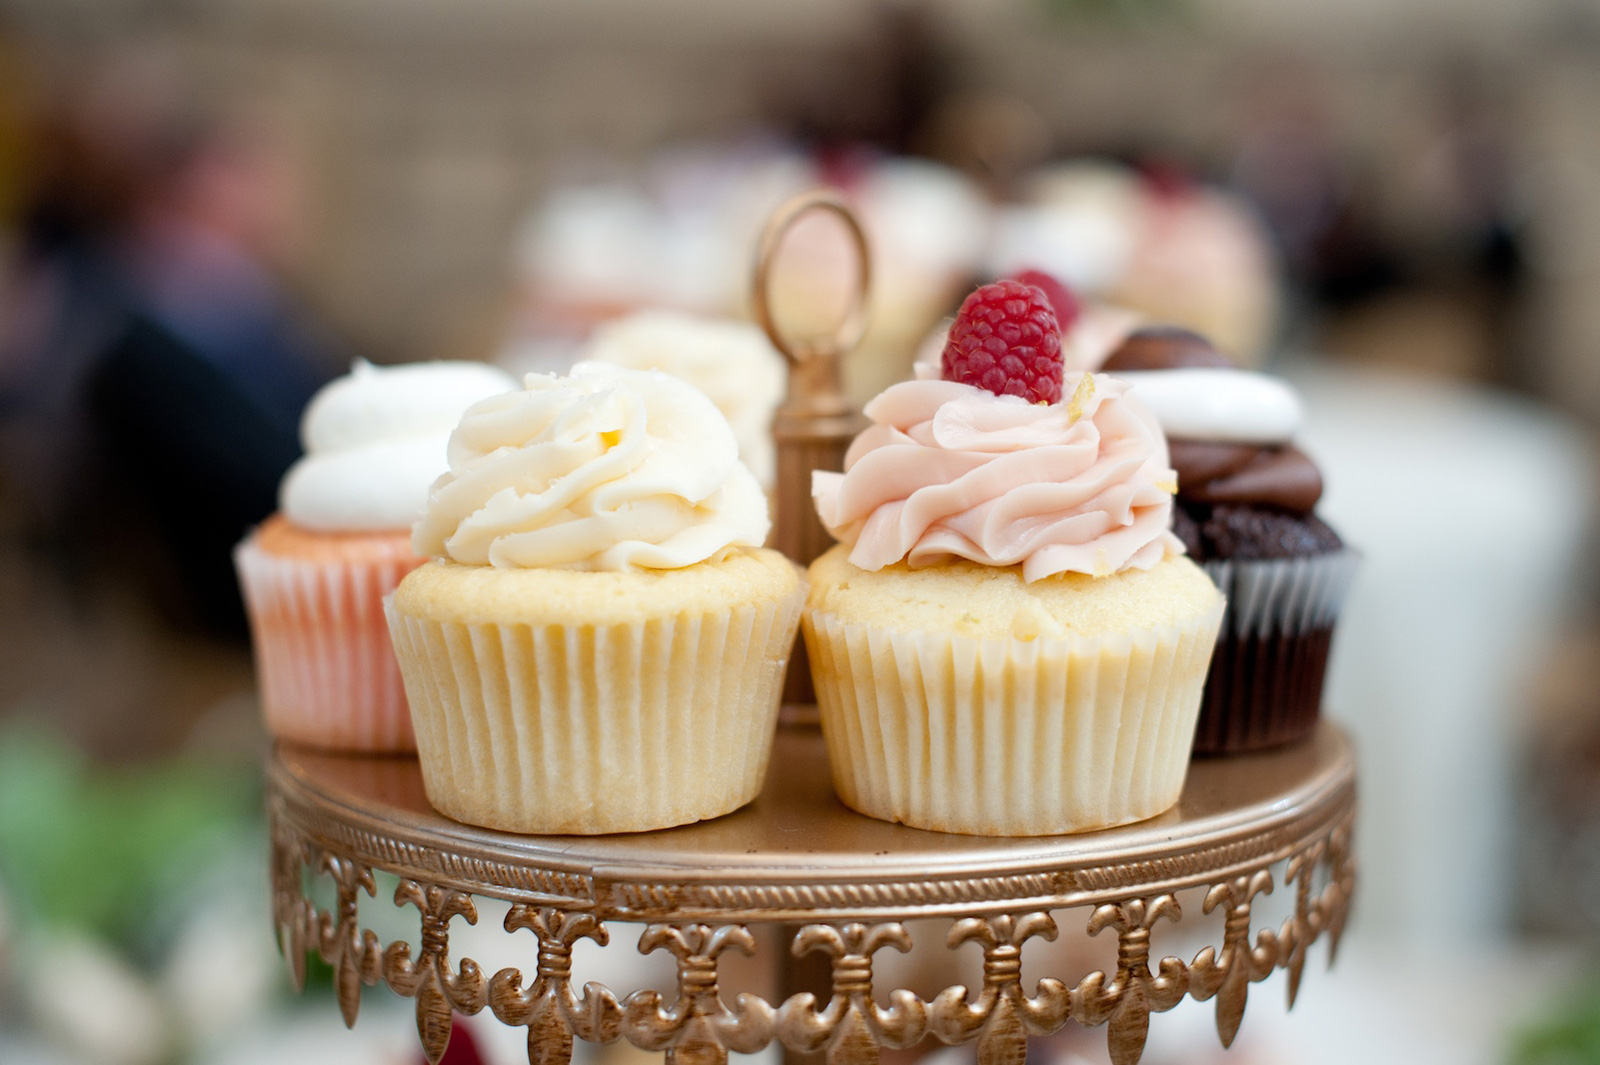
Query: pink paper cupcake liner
x=326, y=668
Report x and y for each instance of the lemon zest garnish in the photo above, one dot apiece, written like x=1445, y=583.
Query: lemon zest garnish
x=1169, y=487
x=1080, y=398
x=611, y=437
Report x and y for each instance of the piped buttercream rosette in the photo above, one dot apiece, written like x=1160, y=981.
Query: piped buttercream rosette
x=948, y=470
x=608, y=469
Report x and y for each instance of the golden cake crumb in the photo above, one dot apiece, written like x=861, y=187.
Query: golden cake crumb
x=970, y=599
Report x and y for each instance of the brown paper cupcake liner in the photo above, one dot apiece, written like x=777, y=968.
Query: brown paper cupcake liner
x=591, y=729
x=1008, y=737
x=1265, y=685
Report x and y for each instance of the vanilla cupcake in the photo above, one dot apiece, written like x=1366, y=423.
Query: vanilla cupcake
x=600, y=644
x=314, y=575
x=1008, y=640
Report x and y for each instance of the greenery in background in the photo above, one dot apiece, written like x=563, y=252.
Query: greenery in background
x=1568, y=1035
x=92, y=848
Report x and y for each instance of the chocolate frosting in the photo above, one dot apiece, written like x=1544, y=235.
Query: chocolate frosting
x=1280, y=477
x=1164, y=347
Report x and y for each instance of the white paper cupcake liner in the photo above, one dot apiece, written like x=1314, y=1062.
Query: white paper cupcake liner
x=1269, y=597
x=326, y=669
x=1004, y=736
x=596, y=728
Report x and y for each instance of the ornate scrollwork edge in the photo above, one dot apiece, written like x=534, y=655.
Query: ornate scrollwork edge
x=850, y=1026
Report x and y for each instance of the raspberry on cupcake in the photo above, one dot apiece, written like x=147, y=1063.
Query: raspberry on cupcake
x=1086, y=331
x=1006, y=339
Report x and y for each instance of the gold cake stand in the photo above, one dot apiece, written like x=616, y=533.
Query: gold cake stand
x=809, y=875
x=831, y=882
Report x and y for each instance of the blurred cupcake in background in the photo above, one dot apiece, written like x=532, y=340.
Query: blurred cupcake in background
x=733, y=363
x=314, y=575
x=588, y=254
x=929, y=226
x=674, y=235
x=1077, y=221
x=1246, y=511
x=1159, y=243
x=1204, y=260
x=678, y=235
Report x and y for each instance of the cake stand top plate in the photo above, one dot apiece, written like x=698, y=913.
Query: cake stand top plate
x=796, y=853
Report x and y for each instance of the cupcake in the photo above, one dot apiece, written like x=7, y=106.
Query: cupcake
x=1171, y=248
x=1007, y=640
x=600, y=643
x=733, y=363
x=1246, y=511
x=314, y=575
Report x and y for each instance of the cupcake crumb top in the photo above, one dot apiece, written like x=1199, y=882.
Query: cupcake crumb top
x=987, y=602
x=449, y=591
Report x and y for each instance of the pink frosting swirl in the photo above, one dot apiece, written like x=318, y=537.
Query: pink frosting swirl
x=950, y=470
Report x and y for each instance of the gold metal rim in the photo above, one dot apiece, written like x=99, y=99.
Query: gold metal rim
x=373, y=810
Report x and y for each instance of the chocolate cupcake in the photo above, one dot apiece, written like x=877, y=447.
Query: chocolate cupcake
x=1246, y=512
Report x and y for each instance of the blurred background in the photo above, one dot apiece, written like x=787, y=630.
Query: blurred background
x=209, y=207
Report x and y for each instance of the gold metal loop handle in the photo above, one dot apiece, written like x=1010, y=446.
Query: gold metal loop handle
x=853, y=326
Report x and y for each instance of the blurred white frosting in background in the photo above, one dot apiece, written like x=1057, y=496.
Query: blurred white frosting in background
x=681, y=235
x=1076, y=220
x=1177, y=251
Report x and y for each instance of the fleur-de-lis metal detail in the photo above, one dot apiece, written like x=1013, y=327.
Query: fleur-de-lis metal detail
x=353, y=953
x=1229, y=976
x=430, y=980
x=1300, y=928
x=293, y=912
x=1135, y=991
x=549, y=1009
x=852, y=1026
x=1341, y=887
x=696, y=1029
x=1002, y=1016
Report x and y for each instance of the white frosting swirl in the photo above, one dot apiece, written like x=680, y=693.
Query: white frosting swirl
x=375, y=440
x=608, y=469
x=731, y=362
x=1218, y=405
